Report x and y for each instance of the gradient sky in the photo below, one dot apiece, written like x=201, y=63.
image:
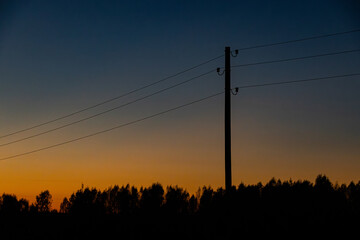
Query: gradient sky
x=57, y=57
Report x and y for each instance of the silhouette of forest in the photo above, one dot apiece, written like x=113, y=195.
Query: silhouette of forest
x=278, y=208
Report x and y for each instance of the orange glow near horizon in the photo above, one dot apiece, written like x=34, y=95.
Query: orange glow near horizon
x=189, y=161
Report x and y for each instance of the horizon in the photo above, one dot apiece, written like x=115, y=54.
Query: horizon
x=58, y=200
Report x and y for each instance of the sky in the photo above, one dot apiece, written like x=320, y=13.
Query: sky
x=57, y=57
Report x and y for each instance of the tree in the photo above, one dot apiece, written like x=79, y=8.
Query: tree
x=43, y=202
x=64, y=206
x=152, y=198
x=177, y=200
x=323, y=184
x=9, y=204
x=121, y=200
x=193, y=204
x=24, y=205
x=87, y=202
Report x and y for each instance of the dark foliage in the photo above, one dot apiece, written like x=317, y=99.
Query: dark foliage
x=10, y=205
x=43, y=202
x=274, y=209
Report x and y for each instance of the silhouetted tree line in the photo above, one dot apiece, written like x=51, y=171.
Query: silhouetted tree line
x=10, y=205
x=276, y=207
x=295, y=198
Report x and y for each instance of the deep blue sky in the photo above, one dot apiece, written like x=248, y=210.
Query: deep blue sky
x=59, y=56
x=58, y=50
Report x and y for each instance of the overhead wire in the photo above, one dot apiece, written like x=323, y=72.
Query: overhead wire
x=295, y=59
x=109, y=110
x=112, y=99
x=299, y=40
x=299, y=81
x=176, y=108
x=177, y=74
x=178, y=84
x=114, y=128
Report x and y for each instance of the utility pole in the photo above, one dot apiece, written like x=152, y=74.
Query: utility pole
x=228, y=181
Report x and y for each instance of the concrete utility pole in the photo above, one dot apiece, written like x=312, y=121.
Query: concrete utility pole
x=228, y=181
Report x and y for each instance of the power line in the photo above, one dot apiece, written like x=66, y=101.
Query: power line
x=295, y=59
x=113, y=128
x=107, y=111
x=112, y=99
x=298, y=81
x=175, y=108
x=299, y=40
x=173, y=86
x=179, y=73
